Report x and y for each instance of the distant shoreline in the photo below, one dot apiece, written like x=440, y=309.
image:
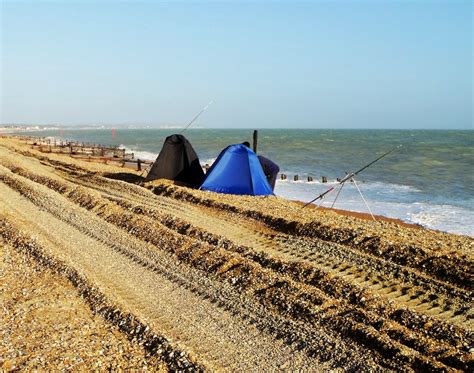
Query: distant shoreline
x=197, y=127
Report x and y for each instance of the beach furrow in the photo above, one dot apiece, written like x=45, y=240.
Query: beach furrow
x=314, y=342
x=429, y=296
x=186, y=315
x=436, y=254
x=401, y=337
x=381, y=277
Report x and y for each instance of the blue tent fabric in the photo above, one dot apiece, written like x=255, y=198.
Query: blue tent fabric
x=237, y=170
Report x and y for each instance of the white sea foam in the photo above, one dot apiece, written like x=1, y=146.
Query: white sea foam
x=140, y=154
x=387, y=200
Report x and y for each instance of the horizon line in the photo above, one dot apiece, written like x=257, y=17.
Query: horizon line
x=163, y=127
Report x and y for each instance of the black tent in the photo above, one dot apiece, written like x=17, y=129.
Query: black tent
x=177, y=161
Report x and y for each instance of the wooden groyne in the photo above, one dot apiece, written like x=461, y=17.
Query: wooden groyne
x=113, y=154
x=86, y=151
x=309, y=179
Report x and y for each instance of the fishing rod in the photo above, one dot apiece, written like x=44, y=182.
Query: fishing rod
x=351, y=175
x=197, y=116
x=184, y=129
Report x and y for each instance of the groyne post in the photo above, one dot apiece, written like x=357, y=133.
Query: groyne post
x=255, y=141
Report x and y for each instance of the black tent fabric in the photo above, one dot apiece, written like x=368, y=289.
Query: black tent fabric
x=177, y=161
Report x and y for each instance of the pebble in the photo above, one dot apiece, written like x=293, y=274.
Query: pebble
x=47, y=305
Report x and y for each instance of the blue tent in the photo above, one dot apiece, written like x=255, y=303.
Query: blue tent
x=237, y=170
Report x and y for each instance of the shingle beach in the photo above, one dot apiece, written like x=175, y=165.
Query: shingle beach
x=100, y=273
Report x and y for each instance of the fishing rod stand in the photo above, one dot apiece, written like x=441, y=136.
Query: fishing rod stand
x=351, y=177
x=353, y=180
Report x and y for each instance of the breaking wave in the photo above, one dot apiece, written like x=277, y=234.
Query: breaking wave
x=391, y=200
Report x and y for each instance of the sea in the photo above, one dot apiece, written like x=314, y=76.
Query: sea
x=427, y=181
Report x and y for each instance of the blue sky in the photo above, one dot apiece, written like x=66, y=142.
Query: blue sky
x=320, y=64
